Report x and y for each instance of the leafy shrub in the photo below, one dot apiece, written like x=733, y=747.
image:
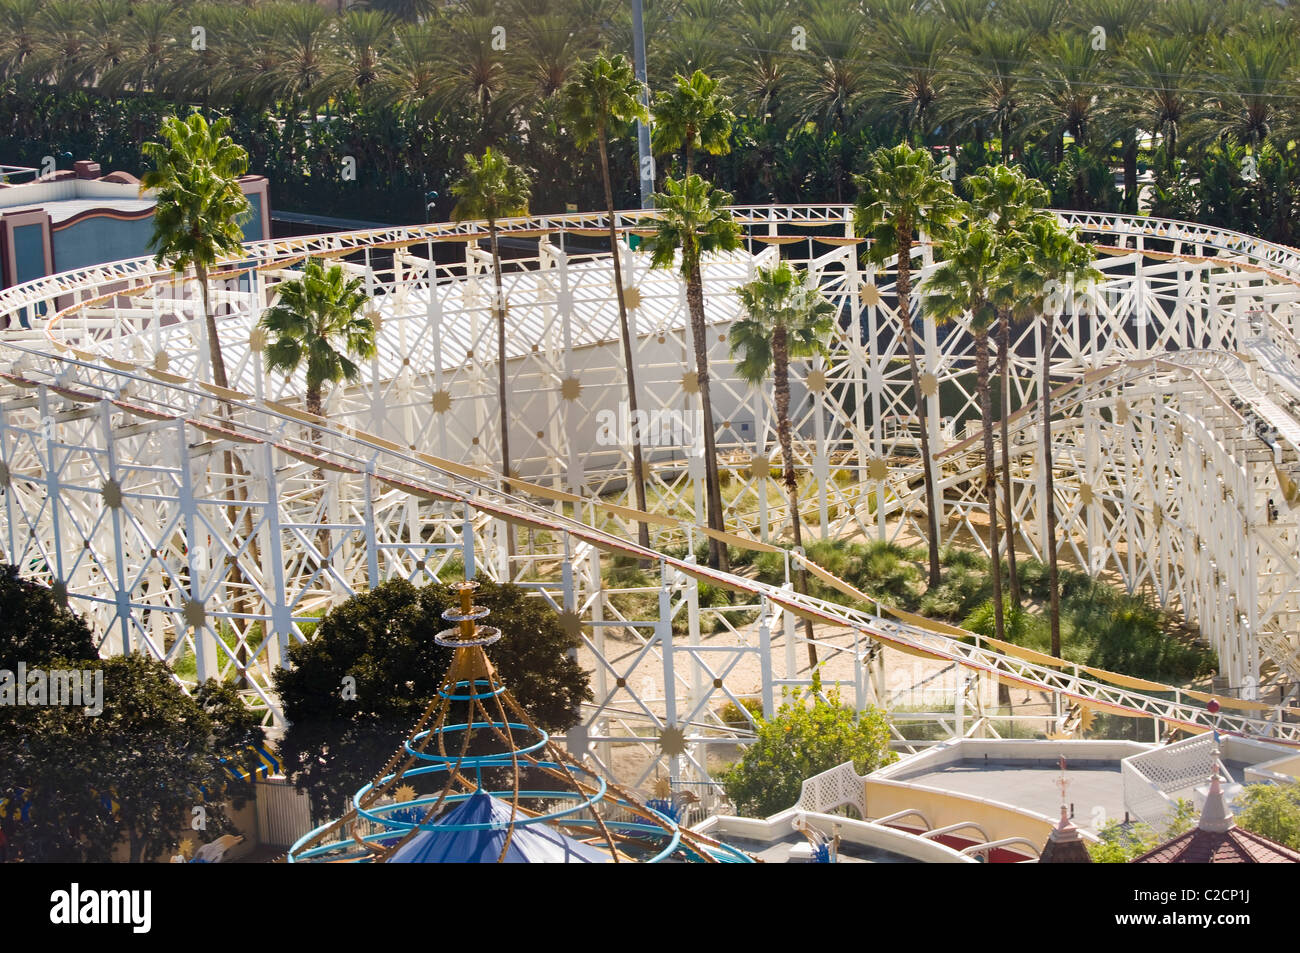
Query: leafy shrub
x=1272, y=811
x=1121, y=843
x=882, y=570
x=731, y=714
x=805, y=737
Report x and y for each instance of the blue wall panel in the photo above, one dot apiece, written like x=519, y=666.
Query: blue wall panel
x=29, y=252
x=100, y=239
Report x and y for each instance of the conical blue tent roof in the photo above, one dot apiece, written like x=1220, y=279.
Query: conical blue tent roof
x=529, y=844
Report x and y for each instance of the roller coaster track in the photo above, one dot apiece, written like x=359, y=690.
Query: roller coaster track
x=102, y=409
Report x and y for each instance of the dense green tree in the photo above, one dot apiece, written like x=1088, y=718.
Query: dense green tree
x=79, y=783
x=383, y=639
x=38, y=623
x=1272, y=811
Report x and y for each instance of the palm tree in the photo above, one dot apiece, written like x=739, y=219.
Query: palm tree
x=364, y=38
x=760, y=68
x=1042, y=18
x=304, y=42
x=692, y=43
x=316, y=324
x=989, y=87
x=471, y=69
x=916, y=51
x=63, y=55
x=197, y=221
x=200, y=206
x=555, y=41
x=1160, y=88
x=835, y=79
x=20, y=34
x=605, y=94
x=963, y=284
x=694, y=221
x=409, y=73
x=493, y=188
x=787, y=318
x=902, y=197
x=1048, y=265
x=1249, y=72
x=1009, y=199
x=693, y=116
x=1064, y=100
x=149, y=49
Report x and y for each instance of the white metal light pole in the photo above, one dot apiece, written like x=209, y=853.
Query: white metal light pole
x=645, y=161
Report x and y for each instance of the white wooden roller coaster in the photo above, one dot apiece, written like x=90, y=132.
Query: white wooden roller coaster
x=209, y=526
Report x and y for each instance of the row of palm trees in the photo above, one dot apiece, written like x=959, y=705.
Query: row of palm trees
x=1010, y=72
x=998, y=270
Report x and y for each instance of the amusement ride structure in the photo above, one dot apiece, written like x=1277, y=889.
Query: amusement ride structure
x=584, y=819
x=211, y=525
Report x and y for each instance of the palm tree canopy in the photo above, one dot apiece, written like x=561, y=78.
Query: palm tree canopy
x=201, y=207
x=693, y=115
x=967, y=278
x=989, y=86
x=902, y=191
x=1041, y=263
x=1006, y=196
x=778, y=297
x=316, y=322
x=491, y=188
x=693, y=217
x=603, y=96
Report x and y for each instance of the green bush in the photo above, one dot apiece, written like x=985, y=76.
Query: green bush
x=730, y=714
x=964, y=587
x=1121, y=843
x=1272, y=811
x=882, y=570
x=804, y=738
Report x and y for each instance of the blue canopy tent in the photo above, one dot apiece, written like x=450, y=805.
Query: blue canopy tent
x=488, y=819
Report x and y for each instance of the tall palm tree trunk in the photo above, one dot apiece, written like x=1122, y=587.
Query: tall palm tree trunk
x=234, y=467
x=315, y=406
x=990, y=475
x=1004, y=362
x=1049, y=490
x=499, y=310
x=781, y=386
x=210, y=323
x=638, y=464
x=713, y=486
x=1131, y=174
x=904, y=288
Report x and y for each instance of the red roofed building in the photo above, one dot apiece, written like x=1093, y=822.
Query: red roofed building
x=1218, y=840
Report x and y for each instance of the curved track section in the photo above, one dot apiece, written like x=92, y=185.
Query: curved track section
x=210, y=527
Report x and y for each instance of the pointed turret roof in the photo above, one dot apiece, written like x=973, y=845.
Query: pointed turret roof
x=1065, y=844
x=1216, y=839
